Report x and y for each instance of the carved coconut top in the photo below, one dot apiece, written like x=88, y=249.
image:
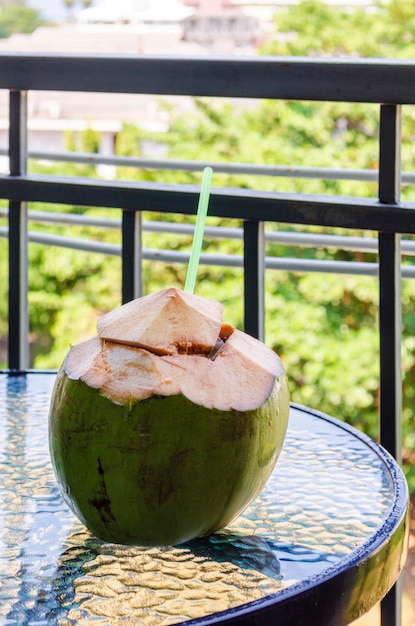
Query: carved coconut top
x=171, y=343
x=167, y=322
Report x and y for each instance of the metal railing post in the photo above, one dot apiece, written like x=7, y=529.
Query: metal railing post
x=131, y=255
x=254, y=279
x=18, y=238
x=390, y=317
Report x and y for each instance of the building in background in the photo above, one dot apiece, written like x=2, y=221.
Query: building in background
x=154, y=13
x=177, y=27
x=220, y=25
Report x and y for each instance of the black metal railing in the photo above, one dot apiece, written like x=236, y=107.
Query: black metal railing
x=388, y=84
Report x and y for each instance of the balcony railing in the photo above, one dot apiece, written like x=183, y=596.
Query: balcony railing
x=388, y=84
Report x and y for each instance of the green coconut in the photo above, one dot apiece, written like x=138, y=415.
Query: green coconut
x=166, y=425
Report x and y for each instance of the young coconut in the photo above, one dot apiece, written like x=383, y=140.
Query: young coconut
x=168, y=423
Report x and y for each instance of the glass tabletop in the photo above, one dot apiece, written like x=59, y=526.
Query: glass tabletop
x=335, y=499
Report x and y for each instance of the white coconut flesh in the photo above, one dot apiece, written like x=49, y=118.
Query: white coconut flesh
x=187, y=350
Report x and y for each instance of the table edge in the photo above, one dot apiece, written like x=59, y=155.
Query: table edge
x=352, y=577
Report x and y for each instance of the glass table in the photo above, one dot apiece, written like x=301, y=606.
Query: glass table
x=321, y=545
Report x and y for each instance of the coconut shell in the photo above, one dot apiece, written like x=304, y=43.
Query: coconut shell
x=163, y=470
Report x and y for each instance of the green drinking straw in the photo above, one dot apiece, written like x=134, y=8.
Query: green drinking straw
x=199, y=229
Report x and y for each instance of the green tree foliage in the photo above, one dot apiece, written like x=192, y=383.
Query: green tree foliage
x=16, y=17
x=313, y=28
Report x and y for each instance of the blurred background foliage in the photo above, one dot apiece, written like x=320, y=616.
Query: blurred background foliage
x=324, y=326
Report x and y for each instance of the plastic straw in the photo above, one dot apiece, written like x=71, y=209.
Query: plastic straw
x=199, y=230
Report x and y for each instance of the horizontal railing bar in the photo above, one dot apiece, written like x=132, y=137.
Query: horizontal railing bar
x=245, y=204
x=293, y=78
x=86, y=245
x=286, y=171
x=218, y=167
x=71, y=219
x=289, y=238
x=223, y=260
